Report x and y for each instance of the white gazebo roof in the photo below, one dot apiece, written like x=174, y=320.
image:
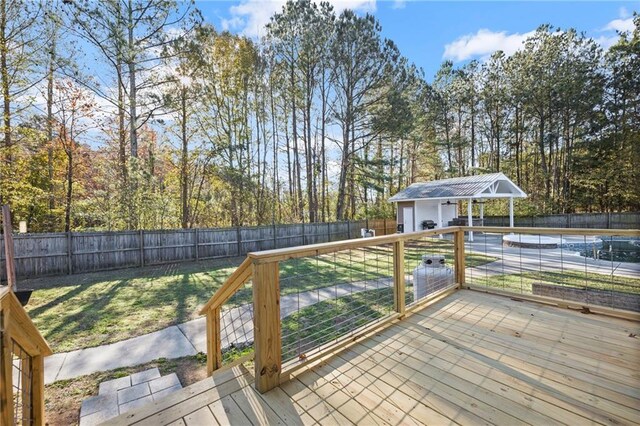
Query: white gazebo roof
x=494, y=185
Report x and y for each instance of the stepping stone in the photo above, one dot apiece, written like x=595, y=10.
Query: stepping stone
x=164, y=382
x=165, y=392
x=98, y=403
x=99, y=417
x=127, y=406
x=144, y=376
x=113, y=386
x=132, y=393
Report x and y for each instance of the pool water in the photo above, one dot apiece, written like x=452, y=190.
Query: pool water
x=615, y=250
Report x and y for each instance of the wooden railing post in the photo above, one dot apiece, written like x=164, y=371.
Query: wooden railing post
x=37, y=396
x=458, y=246
x=398, y=277
x=214, y=341
x=6, y=378
x=266, y=325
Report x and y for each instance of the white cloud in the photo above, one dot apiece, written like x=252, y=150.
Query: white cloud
x=250, y=16
x=399, y=4
x=622, y=25
x=483, y=43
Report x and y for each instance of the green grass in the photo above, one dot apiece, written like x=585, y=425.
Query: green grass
x=80, y=311
x=521, y=283
x=323, y=322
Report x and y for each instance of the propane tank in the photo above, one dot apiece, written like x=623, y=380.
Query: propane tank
x=431, y=275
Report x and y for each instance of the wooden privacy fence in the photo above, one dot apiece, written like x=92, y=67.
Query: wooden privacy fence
x=79, y=252
x=627, y=220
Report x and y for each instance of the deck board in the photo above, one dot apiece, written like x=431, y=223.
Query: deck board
x=470, y=358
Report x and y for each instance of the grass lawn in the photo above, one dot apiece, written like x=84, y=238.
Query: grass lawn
x=80, y=311
x=521, y=283
x=323, y=322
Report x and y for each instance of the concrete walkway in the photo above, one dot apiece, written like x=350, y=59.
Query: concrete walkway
x=188, y=338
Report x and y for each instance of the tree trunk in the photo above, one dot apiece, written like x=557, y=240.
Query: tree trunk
x=184, y=177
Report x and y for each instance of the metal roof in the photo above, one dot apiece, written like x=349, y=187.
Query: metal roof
x=478, y=186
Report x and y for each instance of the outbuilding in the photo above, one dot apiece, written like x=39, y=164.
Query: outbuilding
x=424, y=205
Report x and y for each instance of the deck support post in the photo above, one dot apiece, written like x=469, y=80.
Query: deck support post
x=458, y=247
x=6, y=378
x=398, y=278
x=214, y=341
x=266, y=325
x=37, y=389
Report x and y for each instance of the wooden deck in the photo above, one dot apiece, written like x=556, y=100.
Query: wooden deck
x=470, y=358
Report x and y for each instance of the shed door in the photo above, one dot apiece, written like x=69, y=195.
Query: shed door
x=407, y=218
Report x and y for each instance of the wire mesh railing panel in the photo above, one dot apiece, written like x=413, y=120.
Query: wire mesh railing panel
x=236, y=324
x=22, y=385
x=326, y=297
x=429, y=266
x=580, y=269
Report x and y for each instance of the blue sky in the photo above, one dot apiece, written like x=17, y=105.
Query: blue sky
x=428, y=32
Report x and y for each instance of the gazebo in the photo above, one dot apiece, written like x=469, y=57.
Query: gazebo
x=436, y=202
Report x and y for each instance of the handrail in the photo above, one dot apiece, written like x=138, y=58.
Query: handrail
x=230, y=286
x=17, y=327
x=267, y=256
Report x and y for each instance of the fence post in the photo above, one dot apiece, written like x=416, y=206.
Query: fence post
x=69, y=254
x=141, y=236
x=266, y=326
x=384, y=224
x=303, y=239
x=196, y=242
x=214, y=341
x=398, y=277
x=275, y=236
x=239, y=239
x=348, y=229
x=328, y=232
x=459, y=257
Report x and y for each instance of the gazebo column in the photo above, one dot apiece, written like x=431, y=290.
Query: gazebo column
x=470, y=216
x=482, y=211
x=511, y=212
x=440, y=218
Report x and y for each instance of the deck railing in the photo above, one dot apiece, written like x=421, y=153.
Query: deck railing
x=295, y=305
x=22, y=352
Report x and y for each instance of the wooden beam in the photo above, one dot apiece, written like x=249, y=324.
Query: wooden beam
x=6, y=364
x=230, y=286
x=398, y=278
x=458, y=246
x=266, y=326
x=214, y=341
x=268, y=256
x=38, y=390
x=9, y=255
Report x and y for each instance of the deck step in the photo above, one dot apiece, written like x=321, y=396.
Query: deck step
x=123, y=394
